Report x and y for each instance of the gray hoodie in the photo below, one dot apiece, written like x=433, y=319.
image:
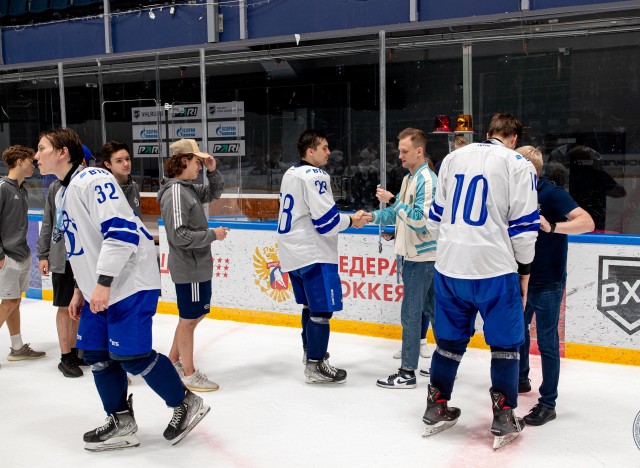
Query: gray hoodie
x=132, y=192
x=187, y=226
x=14, y=221
x=56, y=253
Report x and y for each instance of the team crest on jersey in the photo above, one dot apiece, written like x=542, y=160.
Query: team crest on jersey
x=271, y=280
x=70, y=230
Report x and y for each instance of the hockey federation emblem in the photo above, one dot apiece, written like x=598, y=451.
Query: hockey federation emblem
x=271, y=280
x=619, y=291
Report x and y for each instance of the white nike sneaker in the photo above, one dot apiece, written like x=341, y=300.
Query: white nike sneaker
x=403, y=379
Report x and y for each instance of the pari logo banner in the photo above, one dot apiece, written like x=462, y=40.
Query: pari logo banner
x=269, y=276
x=226, y=148
x=619, y=291
x=145, y=150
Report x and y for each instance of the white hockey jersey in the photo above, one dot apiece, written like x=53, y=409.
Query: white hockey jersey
x=309, y=221
x=103, y=236
x=485, y=215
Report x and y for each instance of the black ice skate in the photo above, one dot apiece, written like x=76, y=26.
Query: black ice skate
x=186, y=416
x=438, y=416
x=321, y=372
x=119, y=432
x=506, y=425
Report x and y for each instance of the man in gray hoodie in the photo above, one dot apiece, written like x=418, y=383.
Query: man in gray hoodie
x=190, y=241
x=15, y=256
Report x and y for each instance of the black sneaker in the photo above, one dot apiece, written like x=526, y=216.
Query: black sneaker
x=119, y=432
x=70, y=368
x=185, y=417
x=75, y=355
x=438, y=416
x=424, y=372
x=402, y=379
x=540, y=415
x=524, y=386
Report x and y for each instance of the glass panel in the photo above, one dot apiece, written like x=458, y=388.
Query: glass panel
x=283, y=97
x=573, y=96
x=28, y=107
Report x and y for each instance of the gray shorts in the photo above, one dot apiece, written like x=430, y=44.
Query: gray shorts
x=14, y=277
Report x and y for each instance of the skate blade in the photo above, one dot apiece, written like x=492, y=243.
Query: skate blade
x=438, y=427
x=501, y=441
x=324, y=382
x=194, y=422
x=120, y=443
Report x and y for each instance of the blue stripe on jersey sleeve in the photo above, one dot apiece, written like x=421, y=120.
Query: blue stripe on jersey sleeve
x=330, y=225
x=325, y=218
x=530, y=218
x=433, y=216
x=123, y=236
x=517, y=230
x=117, y=223
x=437, y=208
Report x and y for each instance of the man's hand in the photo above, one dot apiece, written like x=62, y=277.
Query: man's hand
x=383, y=195
x=99, y=301
x=544, y=224
x=76, y=304
x=221, y=232
x=358, y=220
x=43, y=265
x=210, y=163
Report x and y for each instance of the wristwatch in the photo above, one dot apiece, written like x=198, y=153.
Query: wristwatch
x=392, y=201
x=553, y=228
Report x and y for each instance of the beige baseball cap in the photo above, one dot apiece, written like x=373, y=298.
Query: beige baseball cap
x=187, y=146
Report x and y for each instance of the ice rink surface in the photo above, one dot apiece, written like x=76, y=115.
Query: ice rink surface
x=264, y=415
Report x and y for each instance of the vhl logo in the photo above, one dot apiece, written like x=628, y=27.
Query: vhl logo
x=136, y=114
x=212, y=110
x=619, y=291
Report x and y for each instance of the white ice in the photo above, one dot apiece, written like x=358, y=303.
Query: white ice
x=264, y=415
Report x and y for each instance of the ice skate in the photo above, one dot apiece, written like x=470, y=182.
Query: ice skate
x=119, y=432
x=506, y=425
x=438, y=416
x=185, y=417
x=321, y=372
x=304, y=356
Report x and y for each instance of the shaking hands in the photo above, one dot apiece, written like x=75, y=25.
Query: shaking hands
x=360, y=218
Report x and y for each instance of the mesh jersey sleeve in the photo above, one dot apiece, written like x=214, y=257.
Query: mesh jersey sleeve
x=175, y=208
x=326, y=218
x=523, y=217
x=112, y=216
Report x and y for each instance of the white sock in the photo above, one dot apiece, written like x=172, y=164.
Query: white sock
x=16, y=342
x=423, y=341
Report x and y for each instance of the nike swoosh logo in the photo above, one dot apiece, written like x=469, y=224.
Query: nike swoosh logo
x=400, y=381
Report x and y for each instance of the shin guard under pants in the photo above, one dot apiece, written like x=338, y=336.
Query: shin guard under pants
x=305, y=323
x=505, y=364
x=110, y=379
x=444, y=365
x=157, y=370
x=318, y=335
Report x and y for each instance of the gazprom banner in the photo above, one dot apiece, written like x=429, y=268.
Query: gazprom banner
x=226, y=129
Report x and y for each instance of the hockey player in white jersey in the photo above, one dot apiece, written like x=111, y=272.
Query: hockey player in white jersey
x=308, y=227
x=114, y=263
x=485, y=220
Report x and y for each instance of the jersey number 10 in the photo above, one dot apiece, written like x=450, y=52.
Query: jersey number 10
x=469, y=200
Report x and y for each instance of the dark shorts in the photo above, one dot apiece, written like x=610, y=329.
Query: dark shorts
x=124, y=329
x=194, y=299
x=62, y=287
x=318, y=286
